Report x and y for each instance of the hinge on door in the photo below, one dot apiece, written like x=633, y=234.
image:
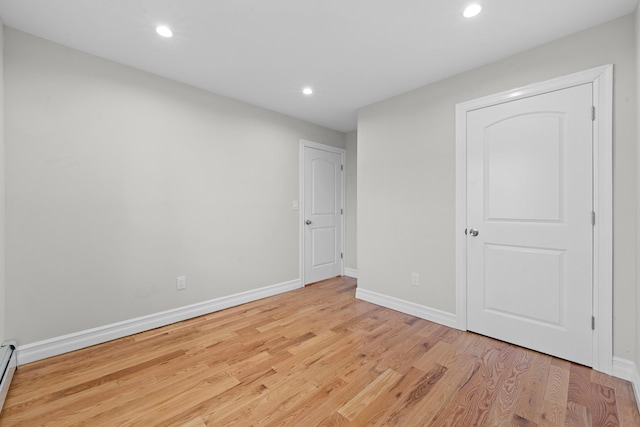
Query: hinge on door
x=341, y=167
x=593, y=218
x=593, y=323
x=593, y=113
x=341, y=255
x=341, y=211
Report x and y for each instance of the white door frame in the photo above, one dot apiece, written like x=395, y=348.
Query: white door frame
x=602, y=79
x=342, y=152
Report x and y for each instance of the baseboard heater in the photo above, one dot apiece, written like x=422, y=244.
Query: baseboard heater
x=8, y=364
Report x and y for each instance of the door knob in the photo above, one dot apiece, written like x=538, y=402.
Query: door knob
x=308, y=222
x=473, y=232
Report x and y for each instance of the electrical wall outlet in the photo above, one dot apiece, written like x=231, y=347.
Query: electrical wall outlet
x=181, y=283
x=415, y=279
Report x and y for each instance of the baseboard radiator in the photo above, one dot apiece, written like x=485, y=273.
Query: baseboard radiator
x=8, y=364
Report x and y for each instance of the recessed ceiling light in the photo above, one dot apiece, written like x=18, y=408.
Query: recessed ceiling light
x=164, y=31
x=472, y=10
x=307, y=91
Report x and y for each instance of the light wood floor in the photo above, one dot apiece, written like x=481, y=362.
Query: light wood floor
x=311, y=357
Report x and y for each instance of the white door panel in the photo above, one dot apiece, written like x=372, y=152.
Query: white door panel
x=322, y=214
x=525, y=282
x=323, y=174
x=323, y=247
x=525, y=175
x=529, y=195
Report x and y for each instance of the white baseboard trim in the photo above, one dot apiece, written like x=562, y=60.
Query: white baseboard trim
x=351, y=272
x=77, y=340
x=421, y=311
x=628, y=370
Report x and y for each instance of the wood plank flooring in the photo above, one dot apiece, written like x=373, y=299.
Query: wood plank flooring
x=313, y=357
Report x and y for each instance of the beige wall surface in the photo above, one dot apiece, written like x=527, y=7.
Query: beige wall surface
x=637, y=94
x=351, y=211
x=406, y=172
x=2, y=192
x=118, y=181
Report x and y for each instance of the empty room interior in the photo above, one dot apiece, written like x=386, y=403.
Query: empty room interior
x=300, y=213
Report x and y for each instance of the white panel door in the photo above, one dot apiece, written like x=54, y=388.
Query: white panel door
x=322, y=214
x=529, y=198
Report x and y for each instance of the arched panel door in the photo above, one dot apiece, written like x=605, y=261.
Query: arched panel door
x=529, y=213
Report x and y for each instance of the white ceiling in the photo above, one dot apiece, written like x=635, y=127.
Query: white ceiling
x=352, y=52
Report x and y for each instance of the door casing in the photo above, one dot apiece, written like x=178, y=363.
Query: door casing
x=602, y=79
x=342, y=152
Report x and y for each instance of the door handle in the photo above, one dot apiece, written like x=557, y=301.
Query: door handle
x=308, y=222
x=473, y=232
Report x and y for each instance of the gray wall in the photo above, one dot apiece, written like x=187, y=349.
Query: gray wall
x=637, y=94
x=118, y=181
x=406, y=172
x=2, y=192
x=351, y=211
